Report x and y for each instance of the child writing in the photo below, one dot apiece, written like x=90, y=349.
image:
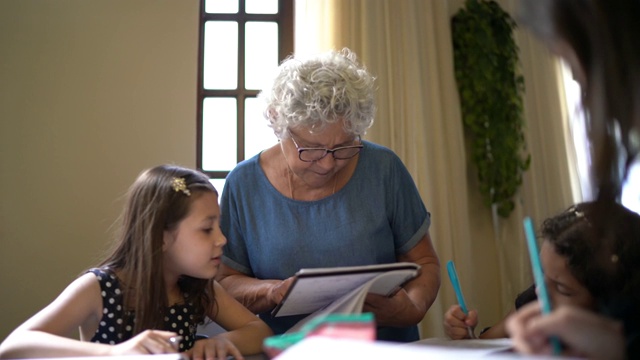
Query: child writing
x=155, y=286
x=570, y=255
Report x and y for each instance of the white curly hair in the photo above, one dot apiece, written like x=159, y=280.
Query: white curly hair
x=321, y=90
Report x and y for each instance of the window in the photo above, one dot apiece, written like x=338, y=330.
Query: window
x=241, y=44
x=630, y=197
x=630, y=189
x=578, y=128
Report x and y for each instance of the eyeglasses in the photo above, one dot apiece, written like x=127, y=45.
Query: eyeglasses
x=315, y=154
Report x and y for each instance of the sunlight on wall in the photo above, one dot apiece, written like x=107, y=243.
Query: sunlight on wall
x=311, y=28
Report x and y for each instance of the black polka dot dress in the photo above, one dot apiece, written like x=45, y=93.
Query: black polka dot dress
x=112, y=329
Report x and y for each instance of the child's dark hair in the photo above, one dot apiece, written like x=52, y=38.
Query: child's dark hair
x=156, y=202
x=600, y=255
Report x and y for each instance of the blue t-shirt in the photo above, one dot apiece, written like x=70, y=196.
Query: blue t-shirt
x=377, y=215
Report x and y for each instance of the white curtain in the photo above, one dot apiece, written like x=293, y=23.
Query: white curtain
x=407, y=45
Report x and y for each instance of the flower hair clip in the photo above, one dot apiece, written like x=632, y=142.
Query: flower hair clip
x=178, y=184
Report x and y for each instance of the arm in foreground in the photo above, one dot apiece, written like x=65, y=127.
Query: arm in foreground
x=48, y=333
x=582, y=332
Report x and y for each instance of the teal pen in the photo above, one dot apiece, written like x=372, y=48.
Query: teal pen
x=453, y=276
x=538, y=276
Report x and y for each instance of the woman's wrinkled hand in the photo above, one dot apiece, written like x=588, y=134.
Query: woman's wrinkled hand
x=277, y=292
x=397, y=310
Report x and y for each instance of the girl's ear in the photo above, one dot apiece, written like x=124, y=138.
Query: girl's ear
x=168, y=237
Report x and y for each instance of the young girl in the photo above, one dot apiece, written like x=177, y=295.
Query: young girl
x=154, y=288
x=571, y=256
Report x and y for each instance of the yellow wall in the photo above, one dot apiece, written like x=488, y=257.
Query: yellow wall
x=91, y=93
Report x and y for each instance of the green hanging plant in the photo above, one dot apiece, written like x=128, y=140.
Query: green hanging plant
x=491, y=88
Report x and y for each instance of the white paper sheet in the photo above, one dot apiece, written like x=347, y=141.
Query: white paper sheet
x=322, y=348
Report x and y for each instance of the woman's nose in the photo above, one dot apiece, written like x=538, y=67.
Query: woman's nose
x=327, y=162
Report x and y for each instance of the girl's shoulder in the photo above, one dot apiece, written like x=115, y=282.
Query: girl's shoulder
x=79, y=302
x=103, y=273
x=85, y=282
x=107, y=279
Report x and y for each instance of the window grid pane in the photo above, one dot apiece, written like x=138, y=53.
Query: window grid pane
x=219, y=185
x=220, y=55
x=261, y=6
x=219, y=133
x=258, y=135
x=261, y=49
x=221, y=6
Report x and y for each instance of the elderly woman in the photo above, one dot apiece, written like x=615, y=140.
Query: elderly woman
x=324, y=197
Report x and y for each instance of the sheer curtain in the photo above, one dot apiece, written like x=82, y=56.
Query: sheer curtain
x=407, y=45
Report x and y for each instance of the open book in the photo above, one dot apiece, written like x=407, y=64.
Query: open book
x=342, y=289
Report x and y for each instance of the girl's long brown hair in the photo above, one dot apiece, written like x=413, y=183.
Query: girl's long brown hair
x=152, y=207
x=604, y=36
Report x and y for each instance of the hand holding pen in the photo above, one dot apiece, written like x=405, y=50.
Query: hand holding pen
x=458, y=325
x=538, y=276
x=469, y=319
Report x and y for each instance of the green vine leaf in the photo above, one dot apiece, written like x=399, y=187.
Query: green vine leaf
x=491, y=88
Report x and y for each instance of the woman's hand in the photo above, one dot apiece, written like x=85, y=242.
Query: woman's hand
x=397, y=310
x=215, y=348
x=147, y=342
x=279, y=289
x=457, y=324
x=256, y=295
x=408, y=306
x=582, y=332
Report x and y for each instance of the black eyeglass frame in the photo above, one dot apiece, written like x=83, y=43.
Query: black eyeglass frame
x=326, y=151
